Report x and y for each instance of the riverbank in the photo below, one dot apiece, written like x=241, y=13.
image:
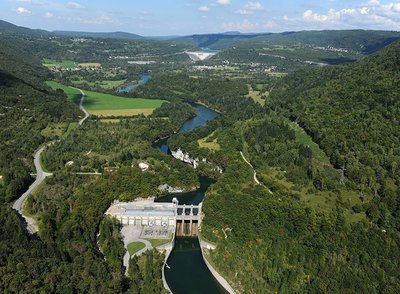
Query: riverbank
x=204, y=245
x=168, y=249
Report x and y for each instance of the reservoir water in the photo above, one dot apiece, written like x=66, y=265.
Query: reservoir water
x=203, y=116
x=187, y=271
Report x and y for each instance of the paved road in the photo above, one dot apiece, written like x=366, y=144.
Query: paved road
x=255, y=173
x=81, y=106
x=131, y=234
x=40, y=176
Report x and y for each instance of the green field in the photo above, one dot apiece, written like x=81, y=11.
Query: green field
x=73, y=94
x=135, y=247
x=62, y=63
x=104, y=84
x=102, y=104
x=110, y=105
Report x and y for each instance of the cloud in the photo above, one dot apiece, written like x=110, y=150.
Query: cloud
x=224, y=2
x=244, y=26
x=250, y=8
x=23, y=11
x=254, y=6
x=74, y=5
x=48, y=14
x=371, y=14
x=204, y=8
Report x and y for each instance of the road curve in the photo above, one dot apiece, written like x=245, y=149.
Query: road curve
x=31, y=224
x=40, y=176
x=127, y=256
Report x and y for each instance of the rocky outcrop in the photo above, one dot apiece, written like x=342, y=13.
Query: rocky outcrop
x=167, y=188
x=185, y=157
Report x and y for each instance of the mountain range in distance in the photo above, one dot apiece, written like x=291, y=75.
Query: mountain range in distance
x=373, y=39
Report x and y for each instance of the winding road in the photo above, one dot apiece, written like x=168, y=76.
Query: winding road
x=81, y=106
x=31, y=223
x=40, y=176
x=255, y=173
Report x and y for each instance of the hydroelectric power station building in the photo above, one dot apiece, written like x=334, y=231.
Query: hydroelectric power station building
x=184, y=219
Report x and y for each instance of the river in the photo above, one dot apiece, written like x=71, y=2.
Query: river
x=187, y=272
x=145, y=78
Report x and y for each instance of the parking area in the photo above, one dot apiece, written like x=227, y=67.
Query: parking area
x=157, y=232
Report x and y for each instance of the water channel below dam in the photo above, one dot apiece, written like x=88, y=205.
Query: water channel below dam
x=187, y=271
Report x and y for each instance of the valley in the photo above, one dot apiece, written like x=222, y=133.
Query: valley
x=288, y=140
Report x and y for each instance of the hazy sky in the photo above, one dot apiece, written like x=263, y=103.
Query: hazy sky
x=172, y=17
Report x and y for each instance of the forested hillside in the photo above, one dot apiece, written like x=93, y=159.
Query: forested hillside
x=353, y=113
x=293, y=50
x=324, y=228
x=27, y=107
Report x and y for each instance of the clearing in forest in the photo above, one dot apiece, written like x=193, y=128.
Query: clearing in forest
x=208, y=143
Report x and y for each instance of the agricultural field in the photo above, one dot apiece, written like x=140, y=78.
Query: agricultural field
x=73, y=94
x=106, y=105
x=89, y=64
x=61, y=64
x=110, y=105
x=104, y=84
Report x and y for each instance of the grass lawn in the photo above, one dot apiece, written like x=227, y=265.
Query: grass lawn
x=135, y=247
x=62, y=63
x=159, y=242
x=110, y=105
x=73, y=94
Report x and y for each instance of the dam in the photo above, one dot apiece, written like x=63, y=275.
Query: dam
x=199, y=55
x=162, y=217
